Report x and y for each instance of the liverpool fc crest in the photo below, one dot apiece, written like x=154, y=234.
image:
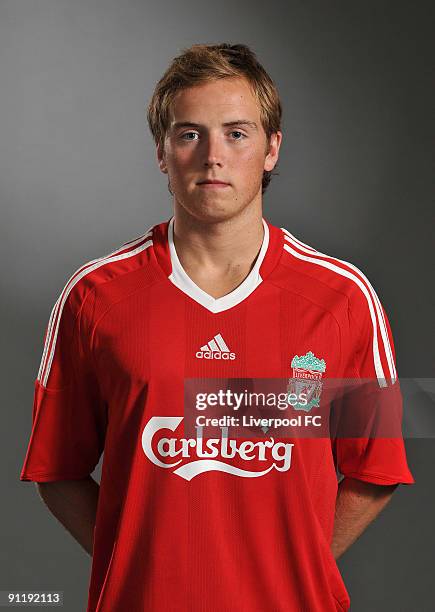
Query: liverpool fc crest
x=307, y=375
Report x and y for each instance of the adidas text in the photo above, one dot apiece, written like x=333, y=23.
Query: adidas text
x=215, y=355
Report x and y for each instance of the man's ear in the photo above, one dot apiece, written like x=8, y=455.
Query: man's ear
x=273, y=151
x=161, y=159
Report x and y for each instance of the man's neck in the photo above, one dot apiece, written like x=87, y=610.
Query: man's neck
x=218, y=256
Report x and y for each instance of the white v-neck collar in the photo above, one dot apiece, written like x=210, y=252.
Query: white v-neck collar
x=181, y=280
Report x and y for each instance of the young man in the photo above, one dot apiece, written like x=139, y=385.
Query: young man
x=216, y=292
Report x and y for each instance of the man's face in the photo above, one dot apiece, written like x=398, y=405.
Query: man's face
x=215, y=133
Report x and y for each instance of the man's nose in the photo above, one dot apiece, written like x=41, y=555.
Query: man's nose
x=213, y=150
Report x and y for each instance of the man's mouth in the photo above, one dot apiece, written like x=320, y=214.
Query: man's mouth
x=213, y=183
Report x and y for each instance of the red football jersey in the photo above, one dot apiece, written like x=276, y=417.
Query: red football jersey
x=231, y=525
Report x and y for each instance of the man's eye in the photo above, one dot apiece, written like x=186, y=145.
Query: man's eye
x=240, y=134
x=189, y=134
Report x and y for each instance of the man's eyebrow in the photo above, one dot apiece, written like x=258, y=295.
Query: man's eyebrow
x=183, y=124
x=246, y=122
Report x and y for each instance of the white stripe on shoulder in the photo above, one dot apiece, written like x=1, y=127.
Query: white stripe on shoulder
x=88, y=264
x=380, y=314
x=370, y=295
x=47, y=356
x=298, y=242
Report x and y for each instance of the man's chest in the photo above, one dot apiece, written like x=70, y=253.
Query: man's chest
x=152, y=340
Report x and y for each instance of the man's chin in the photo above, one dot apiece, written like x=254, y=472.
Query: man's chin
x=209, y=211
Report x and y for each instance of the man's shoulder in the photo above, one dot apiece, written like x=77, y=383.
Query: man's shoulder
x=107, y=273
x=324, y=277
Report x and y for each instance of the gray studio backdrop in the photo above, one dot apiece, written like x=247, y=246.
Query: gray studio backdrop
x=79, y=178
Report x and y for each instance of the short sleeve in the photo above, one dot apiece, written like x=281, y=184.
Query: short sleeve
x=69, y=416
x=367, y=439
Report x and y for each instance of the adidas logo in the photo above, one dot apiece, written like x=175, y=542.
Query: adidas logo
x=215, y=349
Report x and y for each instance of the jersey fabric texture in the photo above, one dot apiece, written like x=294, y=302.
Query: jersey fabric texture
x=234, y=533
